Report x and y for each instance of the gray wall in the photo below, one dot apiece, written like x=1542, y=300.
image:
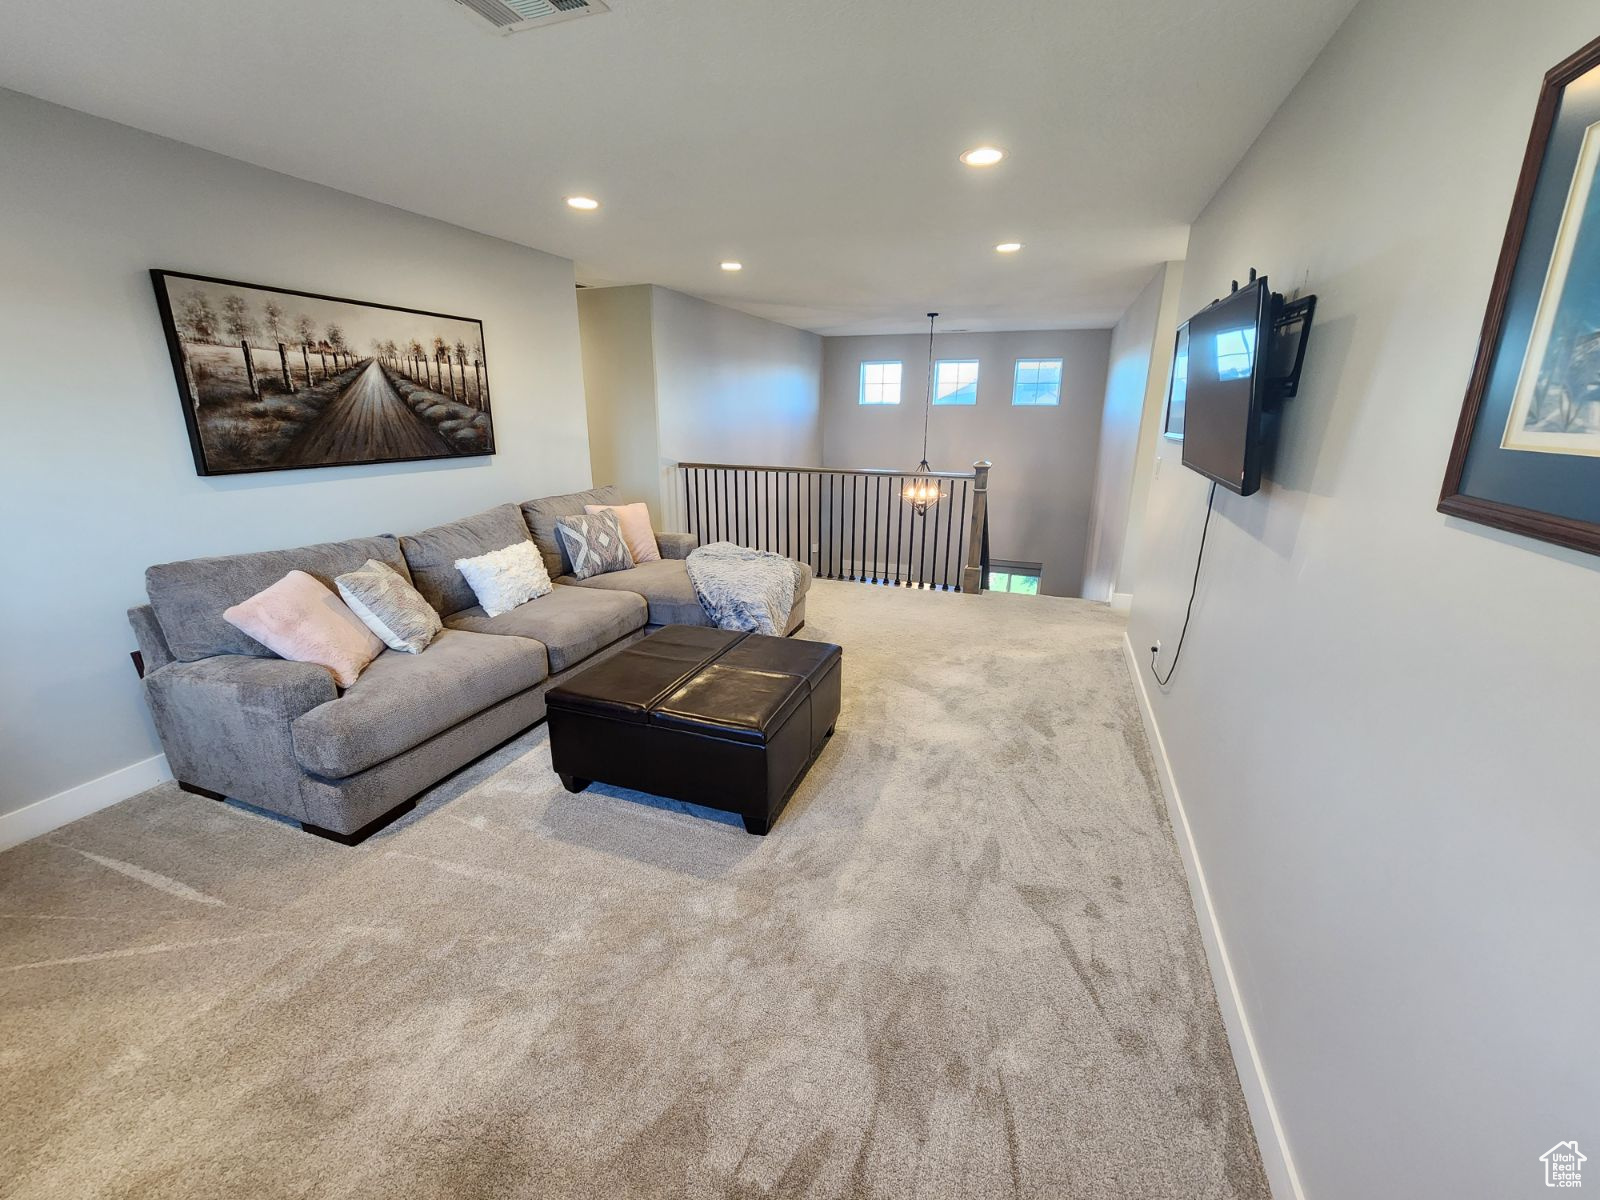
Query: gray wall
x=1150, y=436
x=732, y=388
x=619, y=379
x=1133, y=350
x=675, y=379
x=97, y=472
x=1382, y=726
x=1044, y=458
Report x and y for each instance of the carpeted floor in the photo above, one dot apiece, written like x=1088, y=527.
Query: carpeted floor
x=964, y=964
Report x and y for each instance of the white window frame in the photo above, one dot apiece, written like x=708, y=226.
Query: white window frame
x=1033, y=364
x=878, y=389
x=960, y=382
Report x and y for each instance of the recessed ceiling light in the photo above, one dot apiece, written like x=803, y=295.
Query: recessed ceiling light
x=730, y=265
x=983, y=156
x=583, y=202
x=1009, y=247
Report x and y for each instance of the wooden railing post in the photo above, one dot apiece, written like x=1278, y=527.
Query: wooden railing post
x=972, y=579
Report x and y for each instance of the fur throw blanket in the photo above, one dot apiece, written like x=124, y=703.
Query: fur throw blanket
x=747, y=590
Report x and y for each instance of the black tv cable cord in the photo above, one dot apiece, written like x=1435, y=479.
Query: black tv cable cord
x=1194, y=587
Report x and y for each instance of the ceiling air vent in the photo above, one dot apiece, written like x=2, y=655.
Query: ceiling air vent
x=513, y=16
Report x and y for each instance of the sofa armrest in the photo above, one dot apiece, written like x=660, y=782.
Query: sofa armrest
x=676, y=545
x=224, y=723
x=153, y=648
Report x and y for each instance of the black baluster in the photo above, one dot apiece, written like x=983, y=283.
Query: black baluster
x=893, y=534
x=861, y=553
x=848, y=528
x=922, y=551
x=949, y=524
x=837, y=525
x=902, y=521
x=829, y=550
x=961, y=539
x=805, y=518
x=877, y=530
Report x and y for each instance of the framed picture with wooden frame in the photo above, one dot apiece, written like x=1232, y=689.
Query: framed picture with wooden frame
x=1526, y=456
x=278, y=380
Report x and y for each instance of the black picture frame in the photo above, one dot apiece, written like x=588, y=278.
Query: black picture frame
x=1177, y=387
x=259, y=394
x=1552, y=495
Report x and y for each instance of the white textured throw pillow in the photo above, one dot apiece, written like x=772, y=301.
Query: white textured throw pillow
x=503, y=579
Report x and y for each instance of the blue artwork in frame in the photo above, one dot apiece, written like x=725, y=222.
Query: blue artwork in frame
x=1556, y=407
x=1178, y=386
x=1527, y=452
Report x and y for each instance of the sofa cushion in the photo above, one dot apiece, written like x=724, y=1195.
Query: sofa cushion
x=402, y=700
x=664, y=584
x=432, y=553
x=189, y=597
x=571, y=622
x=541, y=515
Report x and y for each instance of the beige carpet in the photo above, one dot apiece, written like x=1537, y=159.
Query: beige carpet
x=964, y=964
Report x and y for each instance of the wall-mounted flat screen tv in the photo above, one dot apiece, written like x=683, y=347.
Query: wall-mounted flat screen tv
x=1226, y=388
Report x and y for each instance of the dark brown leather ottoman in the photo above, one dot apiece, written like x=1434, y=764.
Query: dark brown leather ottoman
x=727, y=720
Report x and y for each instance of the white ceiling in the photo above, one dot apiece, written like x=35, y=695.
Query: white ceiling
x=815, y=140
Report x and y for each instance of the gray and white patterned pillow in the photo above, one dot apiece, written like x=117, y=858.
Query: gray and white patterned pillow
x=594, y=543
x=389, y=606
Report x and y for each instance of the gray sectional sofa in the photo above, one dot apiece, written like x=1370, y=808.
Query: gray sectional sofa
x=237, y=721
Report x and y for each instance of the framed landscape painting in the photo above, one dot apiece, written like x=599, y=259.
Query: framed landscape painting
x=275, y=380
x=1527, y=451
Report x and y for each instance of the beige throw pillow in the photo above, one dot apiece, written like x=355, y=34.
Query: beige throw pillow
x=637, y=531
x=298, y=618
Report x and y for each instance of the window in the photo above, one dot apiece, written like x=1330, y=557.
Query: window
x=1236, y=353
x=955, y=381
x=880, y=383
x=1019, y=578
x=1038, y=381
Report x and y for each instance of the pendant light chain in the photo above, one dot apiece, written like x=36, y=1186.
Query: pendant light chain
x=924, y=491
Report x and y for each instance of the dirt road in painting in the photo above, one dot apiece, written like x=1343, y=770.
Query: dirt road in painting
x=369, y=421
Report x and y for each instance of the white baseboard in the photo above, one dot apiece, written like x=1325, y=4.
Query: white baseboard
x=1121, y=601
x=1275, y=1157
x=55, y=811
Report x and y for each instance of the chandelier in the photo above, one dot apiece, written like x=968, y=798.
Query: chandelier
x=924, y=491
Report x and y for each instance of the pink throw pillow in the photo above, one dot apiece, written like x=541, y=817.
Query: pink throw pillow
x=300, y=619
x=636, y=531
